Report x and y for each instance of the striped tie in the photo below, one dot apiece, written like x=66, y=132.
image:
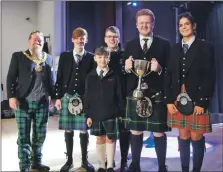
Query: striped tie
x=78, y=57
x=101, y=74
x=185, y=48
x=145, y=47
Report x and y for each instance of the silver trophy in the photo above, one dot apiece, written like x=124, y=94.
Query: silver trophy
x=144, y=104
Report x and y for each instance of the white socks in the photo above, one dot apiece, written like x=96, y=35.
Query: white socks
x=101, y=155
x=110, y=151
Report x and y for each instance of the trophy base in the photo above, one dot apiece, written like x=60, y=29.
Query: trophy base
x=138, y=94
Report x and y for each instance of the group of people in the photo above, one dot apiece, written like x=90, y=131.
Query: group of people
x=90, y=91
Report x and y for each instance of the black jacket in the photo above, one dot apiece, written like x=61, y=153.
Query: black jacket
x=160, y=49
x=20, y=76
x=200, y=73
x=116, y=64
x=103, y=97
x=65, y=70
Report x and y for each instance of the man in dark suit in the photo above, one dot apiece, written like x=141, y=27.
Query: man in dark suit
x=156, y=50
x=112, y=38
x=72, y=71
x=30, y=84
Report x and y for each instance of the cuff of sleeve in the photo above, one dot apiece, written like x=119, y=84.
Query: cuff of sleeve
x=160, y=71
x=202, y=102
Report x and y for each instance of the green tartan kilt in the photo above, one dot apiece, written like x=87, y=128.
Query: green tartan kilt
x=108, y=127
x=157, y=122
x=68, y=121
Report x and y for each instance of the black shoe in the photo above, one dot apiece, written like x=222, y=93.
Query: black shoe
x=134, y=167
x=40, y=167
x=84, y=145
x=67, y=166
x=124, y=167
x=163, y=169
x=101, y=170
x=87, y=166
x=110, y=170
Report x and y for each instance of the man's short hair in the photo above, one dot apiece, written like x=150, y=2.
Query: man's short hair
x=35, y=31
x=145, y=12
x=102, y=51
x=113, y=29
x=79, y=32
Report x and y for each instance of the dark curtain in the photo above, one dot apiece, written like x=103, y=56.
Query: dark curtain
x=214, y=33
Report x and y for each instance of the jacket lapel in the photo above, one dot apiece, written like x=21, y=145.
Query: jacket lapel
x=139, y=50
x=28, y=61
x=70, y=62
x=151, y=49
x=190, y=55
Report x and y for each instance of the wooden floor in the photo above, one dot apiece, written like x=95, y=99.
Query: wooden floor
x=54, y=148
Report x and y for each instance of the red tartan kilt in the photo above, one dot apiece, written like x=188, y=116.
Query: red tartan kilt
x=195, y=123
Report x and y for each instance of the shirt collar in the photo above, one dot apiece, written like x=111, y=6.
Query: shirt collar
x=150, y=37
x=98, y=70
x=81, y=53
x=189, y=42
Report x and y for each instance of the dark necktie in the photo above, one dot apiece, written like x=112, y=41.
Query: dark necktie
x=145, y=47
x=185, y=48
x=78, y=58
x=101, y=74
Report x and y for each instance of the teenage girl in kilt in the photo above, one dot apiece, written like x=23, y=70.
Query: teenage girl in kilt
x=192, y=70
x=30, y=82
x=72, y=70
x=149, y=47
x=112, y=38
x=103, y=103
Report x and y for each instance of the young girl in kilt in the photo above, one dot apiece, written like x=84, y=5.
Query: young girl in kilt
x=191, y=70
x=103, y=102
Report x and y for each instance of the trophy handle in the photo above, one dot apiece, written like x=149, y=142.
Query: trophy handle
x=147, y=74
x=134, y=72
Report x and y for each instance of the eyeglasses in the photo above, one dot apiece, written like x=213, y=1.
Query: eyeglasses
x=109, y=36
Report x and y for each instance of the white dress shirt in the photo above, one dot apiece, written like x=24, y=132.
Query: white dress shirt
x=189, y=42
x=149, y=42
x=76, y=53
x=98, y=70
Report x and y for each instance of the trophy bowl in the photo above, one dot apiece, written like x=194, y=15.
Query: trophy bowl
x=140, y=69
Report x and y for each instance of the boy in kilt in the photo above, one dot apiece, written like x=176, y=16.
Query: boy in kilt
x=156, y=50
x=30, y=82
x=72, y=71
x=103, y=103
x=112, y=38
x=191, y=71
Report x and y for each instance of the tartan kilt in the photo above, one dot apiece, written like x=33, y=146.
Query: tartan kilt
x=157, y=122
x=68, y=121
x=108, y=127
x=196, y=123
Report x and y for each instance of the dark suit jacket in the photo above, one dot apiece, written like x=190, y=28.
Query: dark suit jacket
x=116, y=64
x=200, y=73
x=20, y=75
x=103, y=98
x=64, y=72
x=160, y=49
